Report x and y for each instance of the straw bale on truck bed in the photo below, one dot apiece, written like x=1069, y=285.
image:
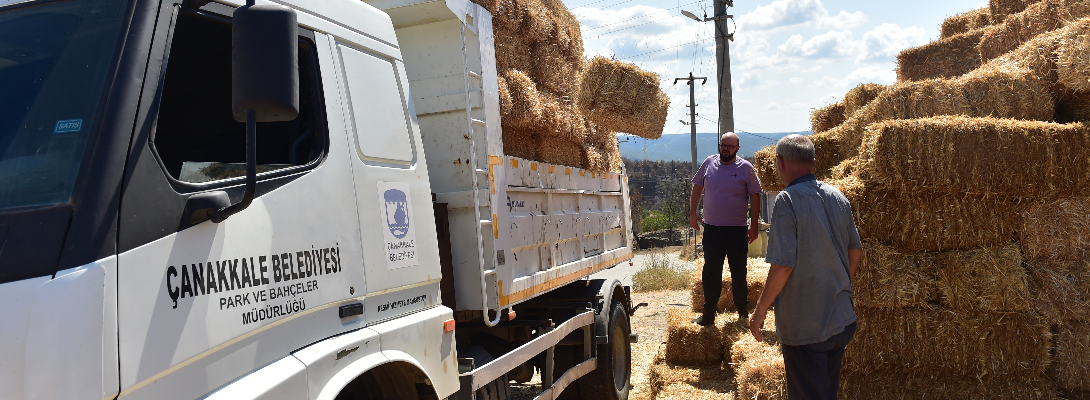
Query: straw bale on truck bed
x=826, y=118
x=1035, y=20
x=623, y=98
x=887, y=385
x=1057, y=229
x=974, y=155
x=965, y=22
x=946, y=342
x=944, y=58
x=1071, y=360
x=859, y=96
x=887, y=278
x=691, y=344
x=755, y=284
x=1059, y=293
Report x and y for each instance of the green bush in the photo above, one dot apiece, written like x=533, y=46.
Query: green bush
x=654, y=221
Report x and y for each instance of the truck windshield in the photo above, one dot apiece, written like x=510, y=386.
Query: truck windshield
x=55, y=57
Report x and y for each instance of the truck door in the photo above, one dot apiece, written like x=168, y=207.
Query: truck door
x=393, y=194
x=200, y=305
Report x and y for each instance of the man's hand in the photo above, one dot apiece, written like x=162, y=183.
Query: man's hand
x=695, y=220
x=753, y=234
x=756, y=322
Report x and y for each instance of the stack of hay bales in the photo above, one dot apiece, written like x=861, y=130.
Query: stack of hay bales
x=969, y=195
x=740, y=368
x=545, y=116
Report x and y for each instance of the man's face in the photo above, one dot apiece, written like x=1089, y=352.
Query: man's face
x=728, y=147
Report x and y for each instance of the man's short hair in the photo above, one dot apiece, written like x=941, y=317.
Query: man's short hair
x=795, y=149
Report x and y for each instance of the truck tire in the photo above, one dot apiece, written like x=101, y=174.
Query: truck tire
x=499, y=389
x=611, y=380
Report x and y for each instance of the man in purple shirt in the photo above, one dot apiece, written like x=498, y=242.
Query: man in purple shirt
x=730, y=186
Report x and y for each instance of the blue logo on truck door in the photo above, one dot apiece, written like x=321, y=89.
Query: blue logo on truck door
x=397, y=218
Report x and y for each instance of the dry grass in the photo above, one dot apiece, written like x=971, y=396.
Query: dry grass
x=964, y=22
x=1071, y=56
x=758, y=366
x=825, y=118
x=661, y=272
x=1071, y=359
x=1000, y=9
x=1057, y=229
x=944, y=58
x=650, y=324
x=947, y=342
x=975, y=155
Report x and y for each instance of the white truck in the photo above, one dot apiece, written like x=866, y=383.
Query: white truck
x=305, y=199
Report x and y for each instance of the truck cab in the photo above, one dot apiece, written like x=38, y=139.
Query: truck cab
x=117, y=135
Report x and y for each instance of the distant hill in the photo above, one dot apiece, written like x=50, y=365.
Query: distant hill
x=676, y=147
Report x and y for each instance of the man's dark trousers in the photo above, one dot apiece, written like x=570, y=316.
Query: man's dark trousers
x=813, y=370
x=725, y=242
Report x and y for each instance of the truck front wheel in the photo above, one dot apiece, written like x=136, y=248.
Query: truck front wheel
x=611, y=379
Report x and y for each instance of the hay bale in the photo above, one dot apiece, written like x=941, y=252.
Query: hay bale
x=1071, y=55
x=1035, y=20
x=520, y=143
x=620, y=97
x=504, y=95
x=758, y=366
x=920, y=385
x=827, y=154
x=527, y=106
x=964, y=22
x=1058, y=292
x=703, y=390
x=859, y=96
x=554, y=71
x=691, y=344
x=887, y=278
x=944, y=58
x=845, y=169
x=757, y=273
x=512, y=49
x=983, y=279
x=1071, y=359
x=947, y=342
x=560, y=151
x=975, y=155
x=928, y=220
x=1000, y=9
x=1057, y=229
x=825, y=118
x=764, y=162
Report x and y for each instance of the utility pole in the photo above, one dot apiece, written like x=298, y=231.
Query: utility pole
x=722, y=53
x=692, y=111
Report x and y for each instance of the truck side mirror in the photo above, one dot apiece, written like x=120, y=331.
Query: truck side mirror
x=264, y=85
x=265, y=63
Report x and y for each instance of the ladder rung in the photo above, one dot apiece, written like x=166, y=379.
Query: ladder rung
x=486, y=222
x=478, y=122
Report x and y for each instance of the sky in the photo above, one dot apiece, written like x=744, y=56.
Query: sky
x=787, y=57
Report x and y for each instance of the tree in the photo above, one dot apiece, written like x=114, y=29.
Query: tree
x=673, y=203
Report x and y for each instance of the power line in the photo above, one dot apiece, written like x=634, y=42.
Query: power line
x=604, y=7
x=638, y=17
x=664, y=49
x=751, y=133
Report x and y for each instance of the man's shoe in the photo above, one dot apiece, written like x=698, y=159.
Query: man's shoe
x=705, y=320
x=743, y=317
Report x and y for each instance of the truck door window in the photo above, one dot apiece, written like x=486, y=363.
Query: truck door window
x=196, y=137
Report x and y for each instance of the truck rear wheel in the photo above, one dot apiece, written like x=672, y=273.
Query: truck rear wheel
x=611, y=379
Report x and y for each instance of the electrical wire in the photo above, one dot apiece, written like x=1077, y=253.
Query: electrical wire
x=664, y=49
x=637, y=17
x=605, y=7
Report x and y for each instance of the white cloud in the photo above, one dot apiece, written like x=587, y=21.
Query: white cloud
x=886, y=40
x=832, y=44
x=784, y=13
x=871, y=73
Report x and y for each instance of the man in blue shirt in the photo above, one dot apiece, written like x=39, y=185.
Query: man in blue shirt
x=814, y=249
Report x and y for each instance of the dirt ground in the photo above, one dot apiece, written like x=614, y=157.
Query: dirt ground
x=650, y=324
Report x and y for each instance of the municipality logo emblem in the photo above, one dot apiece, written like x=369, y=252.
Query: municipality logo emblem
x=397, y=215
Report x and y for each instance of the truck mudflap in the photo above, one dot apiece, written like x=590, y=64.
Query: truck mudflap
x=481, y=376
